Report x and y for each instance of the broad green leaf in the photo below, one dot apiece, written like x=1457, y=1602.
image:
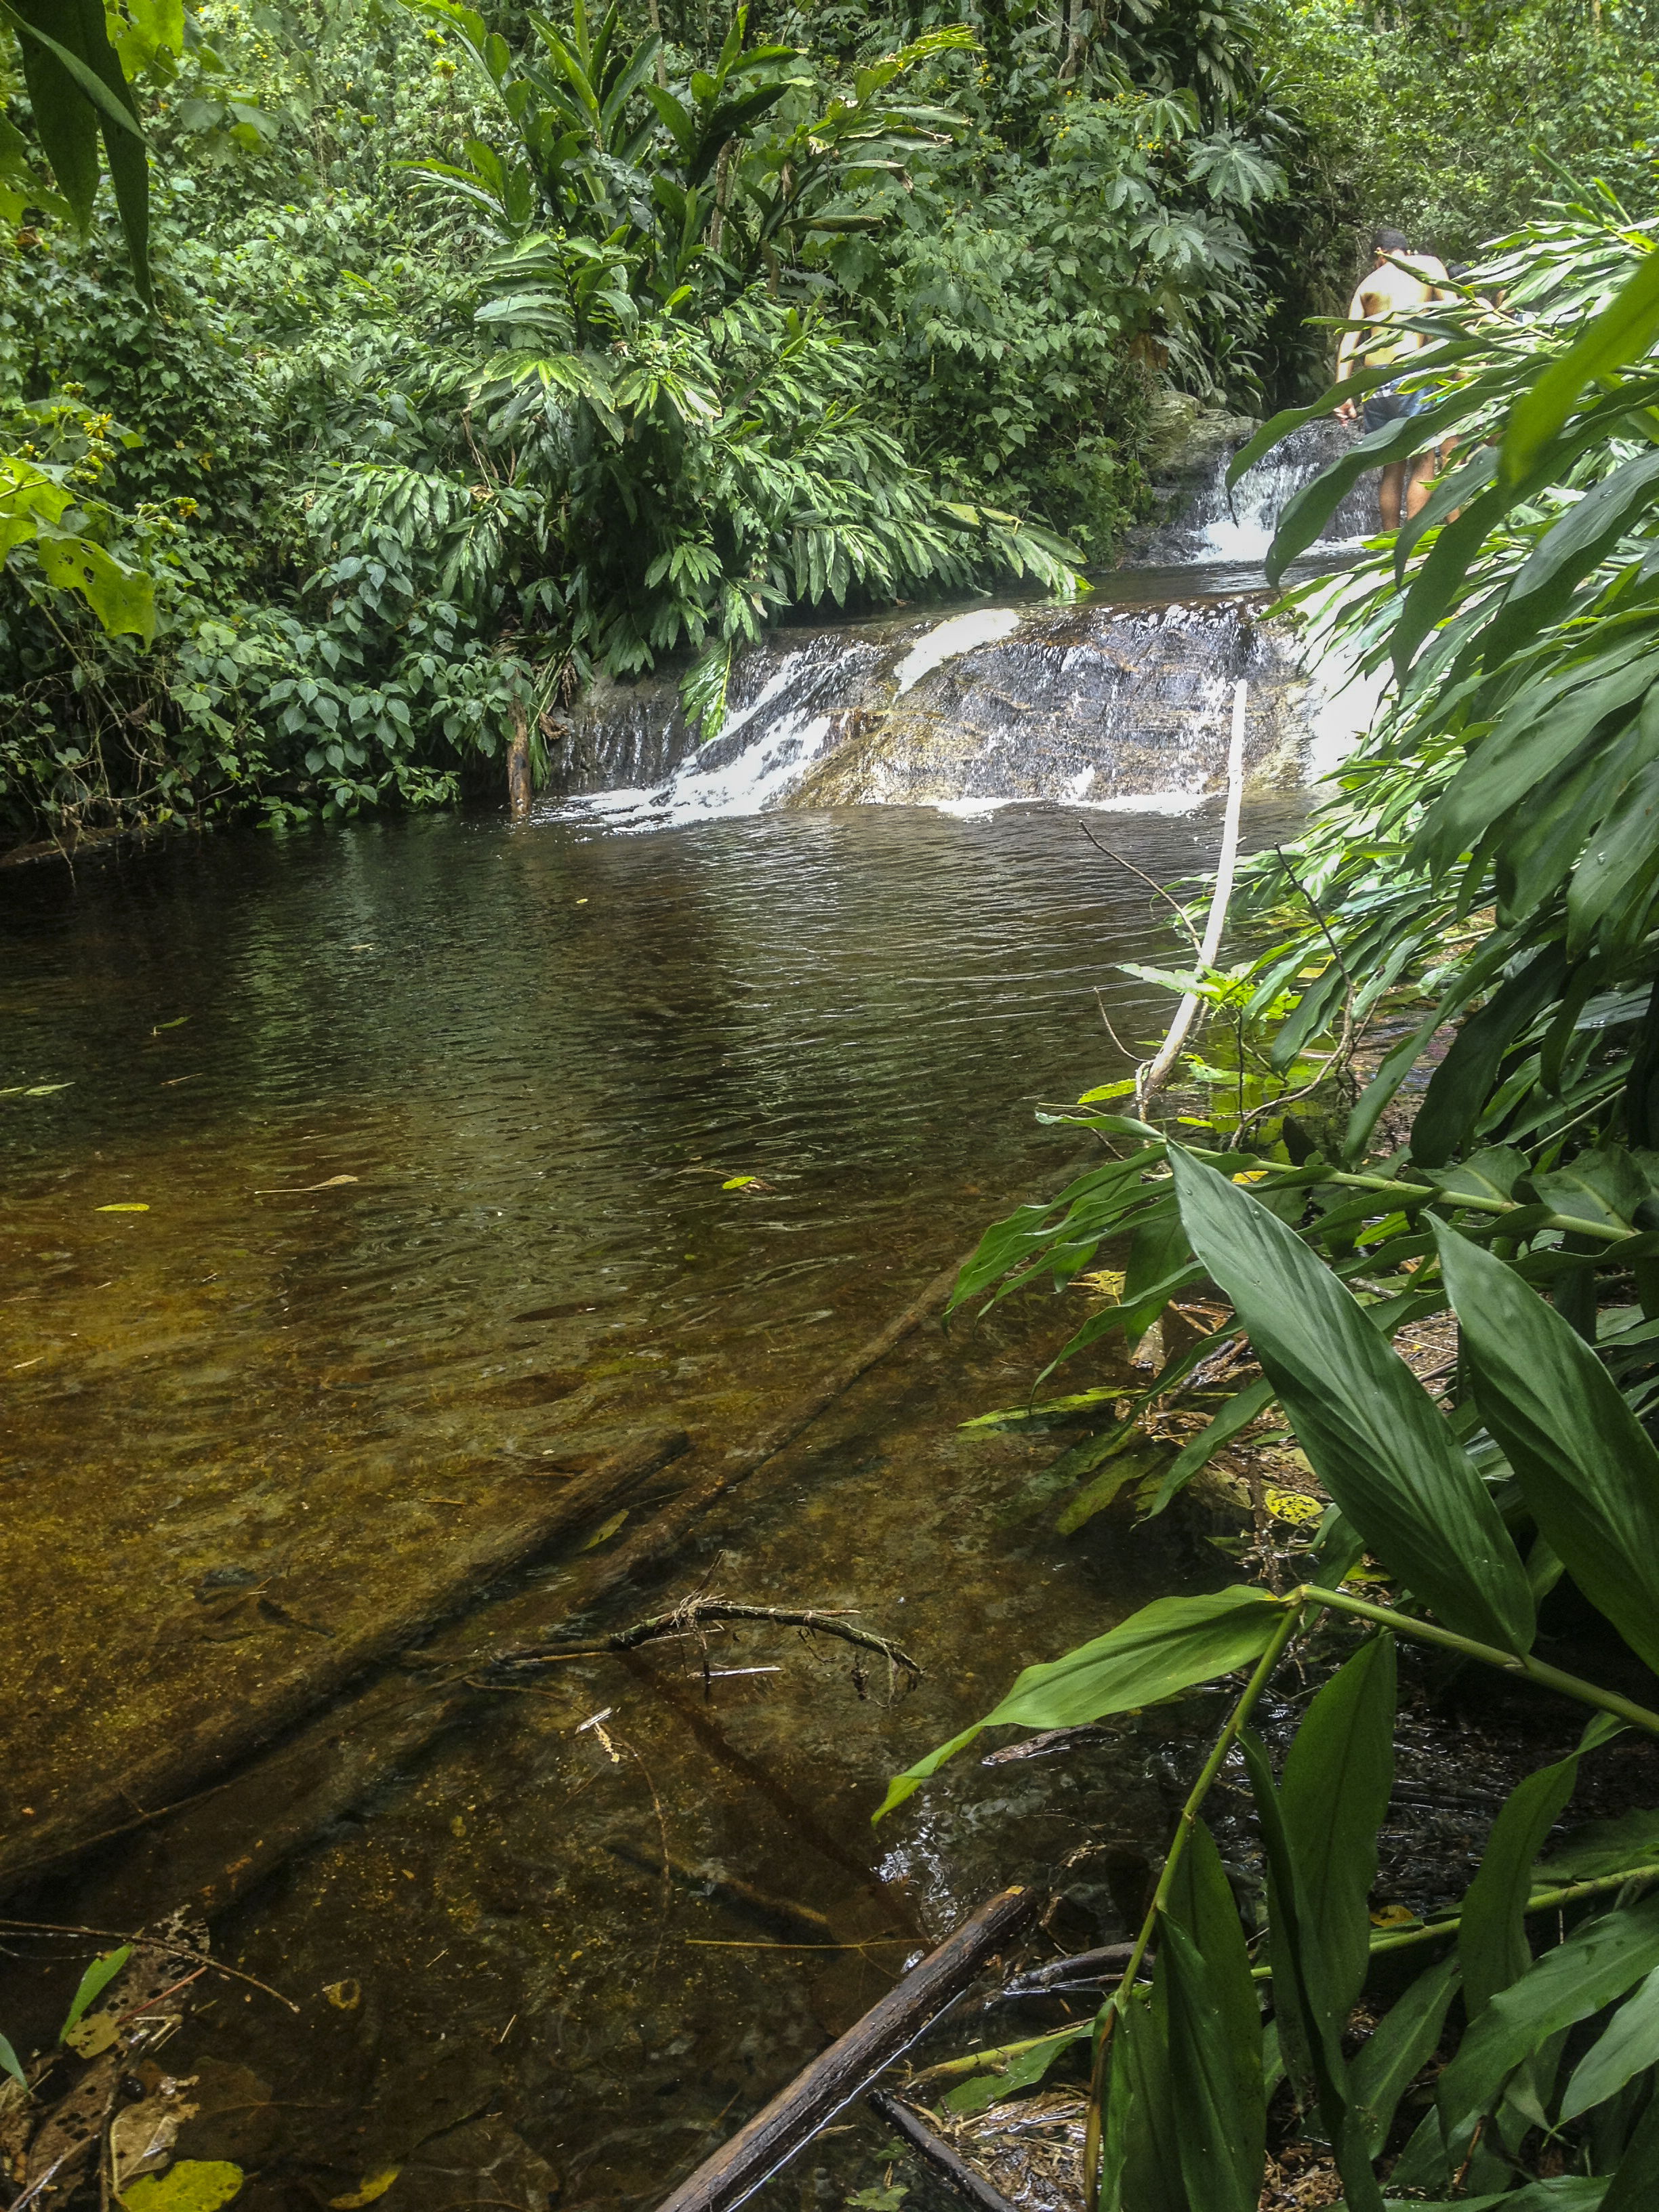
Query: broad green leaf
x=1084, y=1212
x=10, y=2064
x=1624, y=329
x=1568, y=550
x=121, y=598
x=1299, y=1978
x=1626, y=2048
x=1605, y=1847
x=1635, y=2184
x=1236, y=1415
x=1492, y=1948
x=1375, y=1438
x=1016, y=2072
x=1586, y=1466
x=1541, y=734
x=1169, y=1646
x=1618, y=865
x=1464, y=1080
x=102, y=1970
x=1399, y=2048
x=1333, y=1795
x=124, y=152
x=1140, y=2166
x=1488, y=1174
x=1594, y=1967
x=1214, y=2030
x=1603, y=1187
x=63, y=113
x=1159, y=1256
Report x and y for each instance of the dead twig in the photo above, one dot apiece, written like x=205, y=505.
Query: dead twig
x=142, y=1940
x=1151, y=882
x=692, y=1616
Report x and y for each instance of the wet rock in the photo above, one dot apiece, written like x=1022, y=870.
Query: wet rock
x=1101, y=701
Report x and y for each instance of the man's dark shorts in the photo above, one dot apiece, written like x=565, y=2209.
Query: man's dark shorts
x=1390, y=405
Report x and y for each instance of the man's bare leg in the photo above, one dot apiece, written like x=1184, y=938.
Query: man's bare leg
x=1392, y=493
x=1424, y=468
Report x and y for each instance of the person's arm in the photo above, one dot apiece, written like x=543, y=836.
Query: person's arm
x=1349, y=353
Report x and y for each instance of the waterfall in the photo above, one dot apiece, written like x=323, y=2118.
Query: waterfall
x=1203, y=524
x=1120, y=700
x=1122, y=706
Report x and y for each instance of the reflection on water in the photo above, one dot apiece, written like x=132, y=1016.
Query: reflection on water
x=436, y=1126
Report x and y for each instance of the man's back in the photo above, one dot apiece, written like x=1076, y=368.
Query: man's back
x=1401, y=286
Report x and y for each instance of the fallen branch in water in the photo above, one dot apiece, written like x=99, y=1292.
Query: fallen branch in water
x=971, y=2187
x=1152, y=1076
x=691, y=1618
x=852, y=2063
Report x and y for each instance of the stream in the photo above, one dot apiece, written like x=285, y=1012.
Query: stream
x=357, y=1184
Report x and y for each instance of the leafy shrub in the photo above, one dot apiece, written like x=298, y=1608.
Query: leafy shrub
x=1496, y=847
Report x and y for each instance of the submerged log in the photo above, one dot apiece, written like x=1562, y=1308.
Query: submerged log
x=210, y=1852
x=971, y=2187
x=853, y=2062
x=1086, y=1970
x=800, y=1923
x=199, y=1754
x=664, y=1535
x=217, y=1851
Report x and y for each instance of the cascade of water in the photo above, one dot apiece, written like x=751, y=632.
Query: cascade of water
x=1120, y=701
x=1211, y=524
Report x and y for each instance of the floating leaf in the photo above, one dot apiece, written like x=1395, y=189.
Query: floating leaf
x=123, y=1205
x=376, y=2185
x=605, y=1531
x=196, y=2185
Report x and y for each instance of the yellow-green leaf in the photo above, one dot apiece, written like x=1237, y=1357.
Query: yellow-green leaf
x=194, y=2185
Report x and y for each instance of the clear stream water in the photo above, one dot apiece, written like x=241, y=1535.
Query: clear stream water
x=542, y=1053
x=422, y=1136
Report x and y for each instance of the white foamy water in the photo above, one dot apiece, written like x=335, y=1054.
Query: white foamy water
x=713, y=787
x=1147, y=802
x=960, y=634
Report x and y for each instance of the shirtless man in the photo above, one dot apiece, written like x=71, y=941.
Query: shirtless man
x=1399, y=283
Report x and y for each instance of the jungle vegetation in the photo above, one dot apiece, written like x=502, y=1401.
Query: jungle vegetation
x=417, y=362
x=1429, y=1085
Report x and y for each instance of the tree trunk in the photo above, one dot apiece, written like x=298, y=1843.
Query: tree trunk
x=519, y=789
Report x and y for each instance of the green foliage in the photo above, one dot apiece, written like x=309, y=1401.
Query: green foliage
x=485, y=353
x=1492, y=858
x=1458, y=119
